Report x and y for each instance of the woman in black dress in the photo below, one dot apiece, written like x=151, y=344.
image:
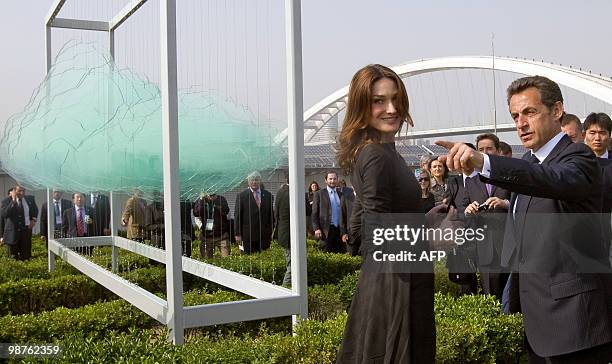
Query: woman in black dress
x=391, y=319
x=312, y=188
x=428, y=200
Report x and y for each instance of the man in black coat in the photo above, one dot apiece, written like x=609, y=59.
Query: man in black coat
x=326, y=216
x=59, y=206
x=553, y=236
x=100, y=205
x=283, y=224
x=19, y=213
x=8, y=194
x=212, y=209
x=254, y=217
x=496, y=201
x=597, y=129
x=461, y=261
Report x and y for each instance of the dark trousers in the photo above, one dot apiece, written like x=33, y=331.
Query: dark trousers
x=601, y=354
x=469, y=284
x=249, y=247
x=332, y=243
x=22, y=248
x=493, y=283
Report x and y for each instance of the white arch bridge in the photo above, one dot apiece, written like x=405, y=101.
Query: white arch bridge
x=597, y=86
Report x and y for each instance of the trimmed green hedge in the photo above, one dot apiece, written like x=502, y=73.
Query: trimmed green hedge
x=97, y=320
x=12, y=270
x=469, y=329
x=315, y=342
x=70, y=291
x=74, y=290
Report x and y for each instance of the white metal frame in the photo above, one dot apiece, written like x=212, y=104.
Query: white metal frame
x=269, y=300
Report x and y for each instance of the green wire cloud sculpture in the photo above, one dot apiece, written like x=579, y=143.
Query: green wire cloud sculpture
x=93, y=127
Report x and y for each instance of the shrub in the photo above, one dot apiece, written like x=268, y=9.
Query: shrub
x=469, y=329
x=473, y=329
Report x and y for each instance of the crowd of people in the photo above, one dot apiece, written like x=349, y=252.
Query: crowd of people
x=558, y=276
x=546, y=247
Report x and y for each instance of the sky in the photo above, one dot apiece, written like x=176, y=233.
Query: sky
x=341, y=36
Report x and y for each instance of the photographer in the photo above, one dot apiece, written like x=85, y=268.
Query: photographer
x=212, y=209
x=487, y=205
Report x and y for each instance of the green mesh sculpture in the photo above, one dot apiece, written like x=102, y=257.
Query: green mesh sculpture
x=92, y=127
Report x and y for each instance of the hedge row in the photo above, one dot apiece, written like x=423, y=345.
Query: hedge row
x=99, y=319
x=36, y=294
x=314, y=342
x=12, y=270
x=70, y=291
x=484, y=336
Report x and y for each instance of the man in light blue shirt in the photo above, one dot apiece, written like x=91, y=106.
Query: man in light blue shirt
x=326, y=215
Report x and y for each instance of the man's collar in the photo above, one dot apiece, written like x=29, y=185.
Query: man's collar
x=605, y=155
x=330, y=189
x=543, y=152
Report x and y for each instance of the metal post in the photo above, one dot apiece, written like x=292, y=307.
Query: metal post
x=174, y=270
x=49, y=222
x=295, y=116
x=113, y=224
x=113, y=229
x=47, y=48
x=50, y=231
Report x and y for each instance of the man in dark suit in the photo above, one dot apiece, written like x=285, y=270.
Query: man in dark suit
x=187, y=232
x=571, y=125
x=326, y=216
x=597, y=129
x=461, y=261
x=8, y=194
x=59, y=206
x=100, y=205
x=77, y=221
x=564, y=280
x=496, y=201
x=283, y=223
x=212, y=210
x=19, y=213
x=253, y=215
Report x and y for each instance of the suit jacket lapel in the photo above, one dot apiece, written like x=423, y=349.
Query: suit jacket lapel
x=483, y=188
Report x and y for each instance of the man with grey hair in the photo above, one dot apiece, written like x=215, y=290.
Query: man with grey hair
x=571, y=125
x=253, y=216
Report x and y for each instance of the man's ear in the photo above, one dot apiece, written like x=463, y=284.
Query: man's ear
x=558, y=110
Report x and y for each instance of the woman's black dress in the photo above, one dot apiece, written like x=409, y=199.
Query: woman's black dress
x=428, y=202
x=391, y=319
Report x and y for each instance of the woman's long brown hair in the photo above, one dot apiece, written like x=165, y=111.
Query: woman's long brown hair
x=356, y=131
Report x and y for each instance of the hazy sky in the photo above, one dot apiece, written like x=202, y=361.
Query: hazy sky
x=341, y=36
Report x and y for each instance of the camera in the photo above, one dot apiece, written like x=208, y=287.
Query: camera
x=483, y=207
